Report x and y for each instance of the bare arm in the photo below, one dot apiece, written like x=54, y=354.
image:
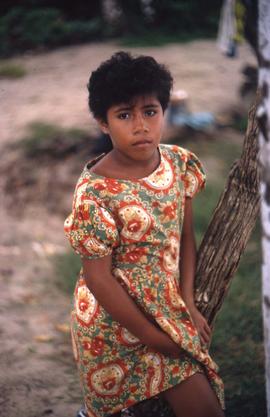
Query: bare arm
x=187, y=272
x=117, y=302
x=188, y=256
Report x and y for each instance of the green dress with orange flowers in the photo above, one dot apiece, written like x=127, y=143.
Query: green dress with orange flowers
x=139, y=222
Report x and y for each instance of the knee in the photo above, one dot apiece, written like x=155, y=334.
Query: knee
x=194, y=397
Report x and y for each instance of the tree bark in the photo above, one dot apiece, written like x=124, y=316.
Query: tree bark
x=230, y=227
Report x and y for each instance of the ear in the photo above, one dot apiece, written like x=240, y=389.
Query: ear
x=103, y=126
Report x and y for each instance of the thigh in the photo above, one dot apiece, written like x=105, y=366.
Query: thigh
x=194, y=397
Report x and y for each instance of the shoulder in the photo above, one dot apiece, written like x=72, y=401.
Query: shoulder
x=177, y=154
x=88, y=188
x=175, y=150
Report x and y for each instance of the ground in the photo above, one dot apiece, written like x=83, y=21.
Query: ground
x=38, y=376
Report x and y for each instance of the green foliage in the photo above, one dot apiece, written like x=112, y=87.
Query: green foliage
x=186, y=15
x=78, y=10
x=34, y=26
x=11, y=71
x=170, y=18
x=22, y=29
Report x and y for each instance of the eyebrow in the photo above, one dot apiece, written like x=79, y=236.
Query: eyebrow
x=127, y=108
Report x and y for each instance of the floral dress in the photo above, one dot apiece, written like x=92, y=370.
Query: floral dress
x=139, y=222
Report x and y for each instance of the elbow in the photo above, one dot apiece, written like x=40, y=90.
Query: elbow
x=99, y=283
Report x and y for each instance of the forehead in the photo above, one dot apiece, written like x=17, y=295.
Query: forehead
x=138, y=101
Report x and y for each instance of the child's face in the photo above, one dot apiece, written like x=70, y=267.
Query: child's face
x=135, y=128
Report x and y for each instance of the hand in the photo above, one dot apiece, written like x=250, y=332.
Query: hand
x=168, y=347
x=161, y=342
x=201, y=325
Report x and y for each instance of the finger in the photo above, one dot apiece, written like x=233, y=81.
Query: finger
x=205, y=323
x=207, y=329
x=205, y=338
x=204, y=330
x=203, y=343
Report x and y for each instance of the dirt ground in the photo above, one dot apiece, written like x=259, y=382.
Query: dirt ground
x=38, y=376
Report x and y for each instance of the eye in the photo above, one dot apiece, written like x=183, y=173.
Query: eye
x=150, y=113
x=123, y=116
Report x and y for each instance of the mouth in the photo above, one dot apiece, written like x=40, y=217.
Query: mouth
x=142, y=142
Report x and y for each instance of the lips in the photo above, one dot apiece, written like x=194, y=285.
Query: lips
x=142, y=142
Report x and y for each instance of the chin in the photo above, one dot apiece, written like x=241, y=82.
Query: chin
x=144, y=153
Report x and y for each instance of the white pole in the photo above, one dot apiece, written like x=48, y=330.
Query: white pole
x=263, y=114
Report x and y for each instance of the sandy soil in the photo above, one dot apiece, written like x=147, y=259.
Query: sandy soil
x=54, y=89
x=38, y=376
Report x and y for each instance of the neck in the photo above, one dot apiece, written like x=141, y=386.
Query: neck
x=125, y=162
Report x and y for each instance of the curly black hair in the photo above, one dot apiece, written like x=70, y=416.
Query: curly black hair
x=123, y=77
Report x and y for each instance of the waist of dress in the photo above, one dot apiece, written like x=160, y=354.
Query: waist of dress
x=148, y=274
x=165, y=262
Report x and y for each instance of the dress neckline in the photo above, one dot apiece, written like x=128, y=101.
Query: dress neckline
x=104, y=177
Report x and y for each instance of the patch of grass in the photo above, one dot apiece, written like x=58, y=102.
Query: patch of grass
x=240, y=123
x=208, y=199
x=48, y=139
x=12, y=71
x=67, y=268
x=223, y=151
x=157, y=38
x=205, y=202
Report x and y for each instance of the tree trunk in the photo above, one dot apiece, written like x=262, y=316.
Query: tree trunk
x=230, y=227
x=264, y=141
x=110, y=12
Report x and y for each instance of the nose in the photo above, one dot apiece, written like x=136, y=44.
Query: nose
x=140, y=124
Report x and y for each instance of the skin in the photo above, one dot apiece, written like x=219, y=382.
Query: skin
x=135, y=130
x=187, y=267
x=193, y=397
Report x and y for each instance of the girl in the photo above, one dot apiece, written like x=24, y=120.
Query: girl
x=135, y=328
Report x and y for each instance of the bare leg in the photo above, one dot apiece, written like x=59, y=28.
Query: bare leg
x=194, y=397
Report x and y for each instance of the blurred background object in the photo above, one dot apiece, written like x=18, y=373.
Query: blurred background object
x=39, y=24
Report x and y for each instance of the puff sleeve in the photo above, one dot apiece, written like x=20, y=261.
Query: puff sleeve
x=91, y=230
x=194, y=177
